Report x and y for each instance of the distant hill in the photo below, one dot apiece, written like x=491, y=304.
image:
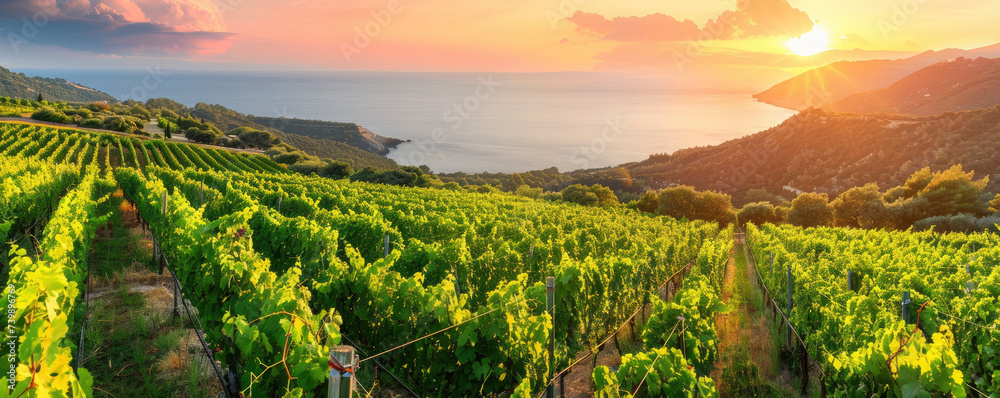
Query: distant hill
x=228, y=119
x=949, y=86
x=19, y=85
x=826, y=152
x=824, y=85
x=348, y=133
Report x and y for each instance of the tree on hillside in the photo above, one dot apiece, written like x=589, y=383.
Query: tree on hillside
x=595, y=195
x=917, y=182
x=166, y=132
x=685, y=202
x=40, y=99
x=201, y=136
x=995, y=204
x=255, y=138
x=762, y=195
x=954, y=191
x=529, y=192
x=811, y=210
x=860, y=207
x=580, y=195
x=290, y=158
x=760, y=213
x=336, y=170
x=169, y=114
x=903, y=214
x=649, y=202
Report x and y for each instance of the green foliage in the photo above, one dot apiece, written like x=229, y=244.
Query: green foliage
x=685, y=202
x=124, y=123
x=336, y=170
x=960, y=223
x=858, y=329
x=266, y=317
x=548, y=179
x=594, y=195
x=688, y=324
x=92, y=123
x=206, y=136
x=528, y=192
x=405, y=177
x=28, y=189
x=741, y=378
x=255, y=138
x=811, y=210
x=47, y=114
x=760, y=213
x=289, y=158
x=666, y=374
x=953, y=191
x=308, y=167
x=921, y=369
x=47, y=289
x=457, y=255
x=860, y=207
x=112, y=151
x=605, y=383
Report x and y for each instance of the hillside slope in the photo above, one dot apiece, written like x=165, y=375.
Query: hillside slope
x=827, y=152
x=349, y=133
x=228, y=119
x=949, y=86
x=19, y=85
x=821, y=86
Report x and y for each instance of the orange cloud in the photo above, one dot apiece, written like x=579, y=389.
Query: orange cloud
x=653, y=27
x=760, y=18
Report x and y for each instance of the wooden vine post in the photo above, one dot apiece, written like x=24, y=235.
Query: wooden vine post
x=159, y=250
x=906, y=307
x=788, y=315
x=343, y=362
x=550, y=305
x=805, y=369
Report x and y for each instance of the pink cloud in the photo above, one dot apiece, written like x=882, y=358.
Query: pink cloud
x=192, y=28
x=760, y=18
x=653, y=27
x=752, y=18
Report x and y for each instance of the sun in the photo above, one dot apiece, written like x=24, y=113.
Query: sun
x=810, y=43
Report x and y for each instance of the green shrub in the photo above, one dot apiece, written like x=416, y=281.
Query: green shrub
x=47, y=114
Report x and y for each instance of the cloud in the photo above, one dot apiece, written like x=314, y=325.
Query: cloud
x=190, y=28
x=653, y=27
x=760, y=18
x=752, y=18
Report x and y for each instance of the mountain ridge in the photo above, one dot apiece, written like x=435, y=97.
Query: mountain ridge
x=951, y=86
x=19, y=85
x=830, y=83
x=819, y=151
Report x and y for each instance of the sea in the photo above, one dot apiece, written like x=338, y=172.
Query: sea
x=475, y=122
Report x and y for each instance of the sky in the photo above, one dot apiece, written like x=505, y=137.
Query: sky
x=710, y=37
